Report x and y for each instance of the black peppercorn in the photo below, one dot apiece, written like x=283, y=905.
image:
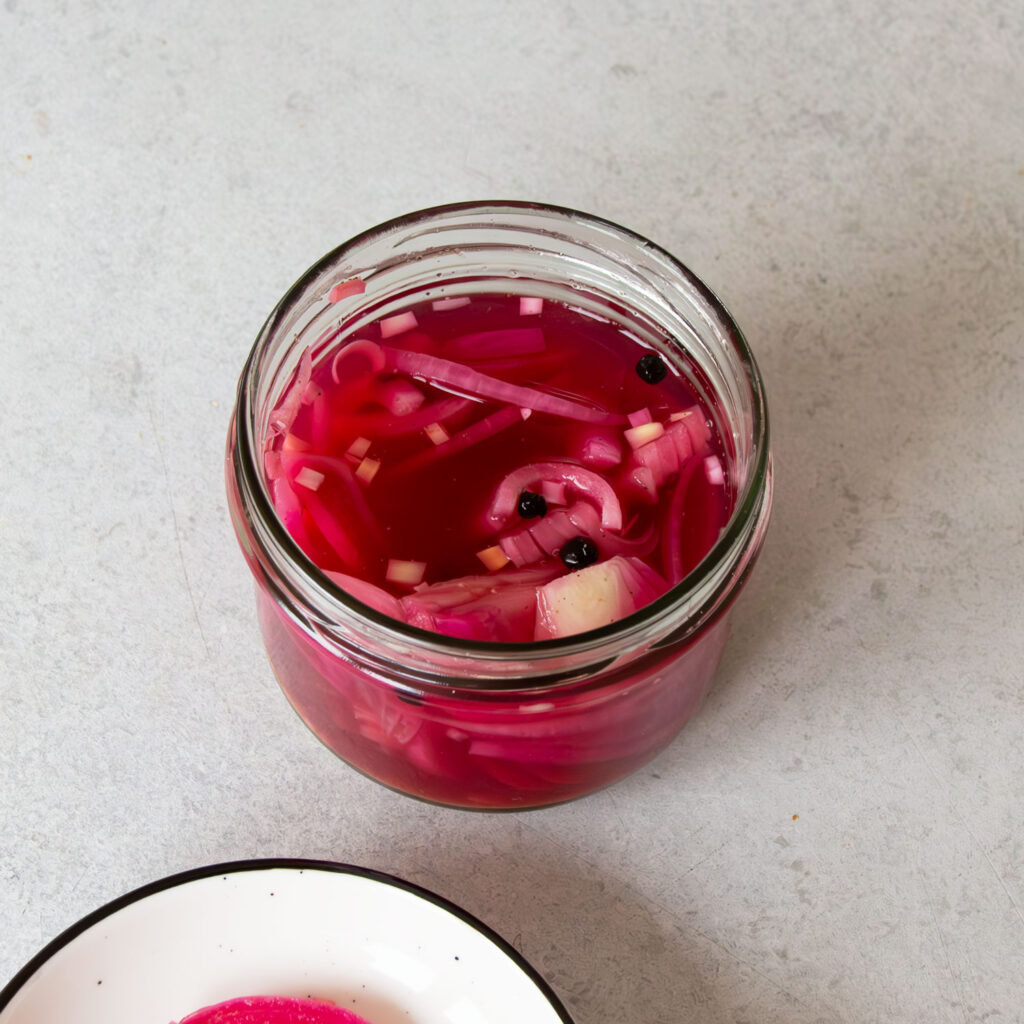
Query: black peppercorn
x=578, y=553
x=532, y=505
x=652, y=368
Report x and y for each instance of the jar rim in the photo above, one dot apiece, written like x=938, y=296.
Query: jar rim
x=752, y=501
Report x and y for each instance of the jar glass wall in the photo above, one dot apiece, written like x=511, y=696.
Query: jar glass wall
x=499, y=725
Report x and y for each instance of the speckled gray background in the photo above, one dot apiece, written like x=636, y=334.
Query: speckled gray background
x=839, y=836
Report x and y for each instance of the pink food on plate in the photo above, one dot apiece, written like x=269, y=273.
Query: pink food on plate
x=273, y=1010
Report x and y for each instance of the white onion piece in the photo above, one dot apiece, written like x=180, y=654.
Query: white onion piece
x=367, y=470
x=451, y=302
x=493, y=557
x=359, y=447
x=398, y=324
x=644, y=434
x=405, y=573
x=436, y=433
x=309, y=478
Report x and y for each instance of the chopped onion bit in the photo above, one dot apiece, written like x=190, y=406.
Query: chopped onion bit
x=354, y=286
x=436, y=433
x=601, y=452
x=640, y=417
x=398, y=324
x=493, y=558
x=553, y=492
x=309, y=478
x=294, y=443
x=637, y=436
x=408, y=574
x=530, y=306
x=400, y=397
x=451, y=302
x=359, y=447
x=367, y=470
x=713, y=470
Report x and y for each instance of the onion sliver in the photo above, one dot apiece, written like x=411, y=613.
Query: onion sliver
x=282, y=418
x=385, y=424
x=672, y=526
x=577, y=479
x=525, y=341
x=353, y=286
x=369, y=594
x=399, y=396
x=474, y=434
x=360, y=347
x=337, y=469
x=332, y=530
x=587, y=522
x=463, y=378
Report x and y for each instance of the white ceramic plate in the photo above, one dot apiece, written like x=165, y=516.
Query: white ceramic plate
x=389, y=951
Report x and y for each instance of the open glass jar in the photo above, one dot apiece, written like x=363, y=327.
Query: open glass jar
x=470, y=723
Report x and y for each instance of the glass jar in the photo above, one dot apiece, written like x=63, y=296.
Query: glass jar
x=499, y=725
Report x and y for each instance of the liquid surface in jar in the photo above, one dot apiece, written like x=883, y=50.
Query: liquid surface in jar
x=497, y=468
x=273, y=1010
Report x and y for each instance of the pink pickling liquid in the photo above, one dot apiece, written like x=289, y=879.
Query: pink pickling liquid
x=362, y=487
x=398, y=461
x=525, y=750
x=273, y=1010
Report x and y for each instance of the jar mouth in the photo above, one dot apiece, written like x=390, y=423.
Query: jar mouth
x=743, y=531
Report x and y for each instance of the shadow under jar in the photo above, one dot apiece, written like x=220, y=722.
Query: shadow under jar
x=478, y=723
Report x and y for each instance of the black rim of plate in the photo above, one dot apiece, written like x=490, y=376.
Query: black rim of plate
x=295, y=864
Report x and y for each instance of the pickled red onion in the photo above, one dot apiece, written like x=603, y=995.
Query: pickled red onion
x=577, y=479
x=525, y=341
x=672, y=526
x=360, y=347
x=600, y=451
x=462, y=378
x=609, y=544
x=399, y=396
x=713, y=470
x=282, y=418
x=474, y=434
x=381, y=424
x=368, y=593
x=354, y=286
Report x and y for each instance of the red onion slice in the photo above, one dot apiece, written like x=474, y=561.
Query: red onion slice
x=459, y=377
x=474, y=434
x=577, y=479
x=526, y=341
x=354, y=286
x=360, y=347
x=369, y=594
x=282, y=418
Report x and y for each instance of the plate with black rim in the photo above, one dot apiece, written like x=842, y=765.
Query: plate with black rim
x=389, y=951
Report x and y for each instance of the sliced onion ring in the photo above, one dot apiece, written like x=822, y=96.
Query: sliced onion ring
x=577, y=479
